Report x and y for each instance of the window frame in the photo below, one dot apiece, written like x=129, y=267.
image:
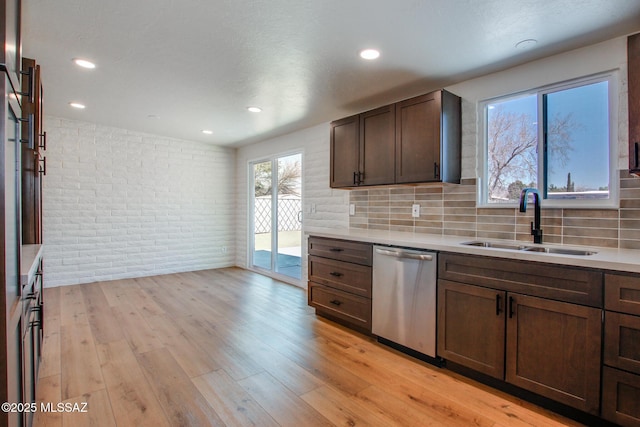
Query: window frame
x=611, y=77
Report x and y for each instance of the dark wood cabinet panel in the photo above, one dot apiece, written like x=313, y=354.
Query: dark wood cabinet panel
x=622, y=293
x=341, y=250
x=576, y=285
x=622, y=341
x=31, y=155
x=418, y=139
x=553, y=349
x=633, y=69
x=344, y=152
x=471, y=327
x=353, y=309
x=339, y=284
x=621, y=397
x=428, y=135
x=377, y=146
x=342, y=275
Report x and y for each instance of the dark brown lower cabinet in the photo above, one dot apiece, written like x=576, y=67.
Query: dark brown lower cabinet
x=532, y=325
x=621, y=373
x=339, y=284
x=553, y=349
x=620, y=397
x=471, y=327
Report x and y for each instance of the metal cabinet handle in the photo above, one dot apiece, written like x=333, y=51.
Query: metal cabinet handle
x=360, y=177
x=31, y=72
x=511, y=312
x=498, y=305
x=436, y=170
x=355, y=178
x=43, y=138
x=402, y=254
x=336, y=274
x=43, y=169
x=336, y=249
x=636, y=149
x=31, y=130
x=336, y=302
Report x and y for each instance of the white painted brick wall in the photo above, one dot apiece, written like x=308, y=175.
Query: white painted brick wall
x=120, y=204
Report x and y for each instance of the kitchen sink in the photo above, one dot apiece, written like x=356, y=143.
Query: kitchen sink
x=562, y=251
x=495, y=245
x=539, y=249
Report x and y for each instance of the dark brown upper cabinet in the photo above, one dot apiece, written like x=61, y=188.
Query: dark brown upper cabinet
x=345, y=149
x=428, y=138
x=377, y=146
x=412, y=141
x=34, y=144
x=633, y=70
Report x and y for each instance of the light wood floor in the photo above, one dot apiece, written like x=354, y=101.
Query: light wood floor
x=230, y=347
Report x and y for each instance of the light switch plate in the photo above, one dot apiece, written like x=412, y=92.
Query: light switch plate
x=352, y=209
x=415, y=211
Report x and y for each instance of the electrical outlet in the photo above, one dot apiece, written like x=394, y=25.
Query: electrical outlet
x=313, y=208
x=224, y=249
x=415, y=211
x=352, y=209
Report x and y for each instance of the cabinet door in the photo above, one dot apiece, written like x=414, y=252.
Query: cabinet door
x=377, y=146
x=471, y=327
x=553, y=349
x=418, y=139
x=620, y=397
x=622, y=341
x=31, y=177
x=633, y=69
x=344, y=161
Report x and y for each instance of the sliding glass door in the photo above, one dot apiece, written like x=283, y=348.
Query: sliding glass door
x=276, y=223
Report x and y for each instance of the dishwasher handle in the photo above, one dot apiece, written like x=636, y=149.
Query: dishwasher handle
x=403, y=254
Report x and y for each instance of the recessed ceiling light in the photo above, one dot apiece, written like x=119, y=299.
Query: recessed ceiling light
x=254, y=109
x=369, y=54
x=526, y=44
x=207, y=132
x=78, y=105
x=84, y=63
x=153, y=116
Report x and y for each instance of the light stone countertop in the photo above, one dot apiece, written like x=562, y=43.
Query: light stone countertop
x=625, y=260
x=31, y=254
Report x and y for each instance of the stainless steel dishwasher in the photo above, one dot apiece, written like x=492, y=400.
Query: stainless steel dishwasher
x=404, y=297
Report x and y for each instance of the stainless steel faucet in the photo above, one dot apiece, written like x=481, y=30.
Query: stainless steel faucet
x=536, y=231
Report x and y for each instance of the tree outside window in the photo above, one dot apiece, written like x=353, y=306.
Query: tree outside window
x=556, y=140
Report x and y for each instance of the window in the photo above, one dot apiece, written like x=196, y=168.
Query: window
x=559, y=139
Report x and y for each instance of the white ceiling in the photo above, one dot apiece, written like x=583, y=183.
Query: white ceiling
x=197, y=64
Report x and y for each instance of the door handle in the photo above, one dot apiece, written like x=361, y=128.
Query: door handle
x=402, y=254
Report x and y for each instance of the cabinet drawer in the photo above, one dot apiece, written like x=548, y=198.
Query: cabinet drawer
x=622, y=341
x=575, y=285
x=620, y=397
x=353, y=309
x=622, y=293
x=341, y=250
x=346, y=276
